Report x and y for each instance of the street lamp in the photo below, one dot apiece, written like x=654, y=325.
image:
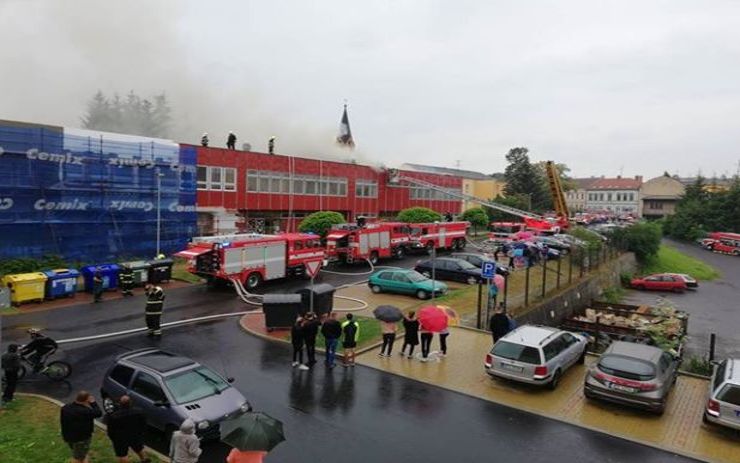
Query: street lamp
x=434, y=267
x=159, y=208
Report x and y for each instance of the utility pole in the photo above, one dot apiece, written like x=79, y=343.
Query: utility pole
x=159, y=209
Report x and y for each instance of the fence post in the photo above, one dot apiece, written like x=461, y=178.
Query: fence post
x=712, y=342
x=526, y=287
x=480, y=298
x=557, y=281
x=544, y=276
x=506, y=289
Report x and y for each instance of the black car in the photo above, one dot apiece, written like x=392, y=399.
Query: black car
x=450, y=268
x=552, y=243
x=478, y=259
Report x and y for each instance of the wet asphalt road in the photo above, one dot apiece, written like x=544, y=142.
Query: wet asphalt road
x=359, y=415
x=714, y=307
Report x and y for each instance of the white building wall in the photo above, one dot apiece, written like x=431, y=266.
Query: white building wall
x=618, y=201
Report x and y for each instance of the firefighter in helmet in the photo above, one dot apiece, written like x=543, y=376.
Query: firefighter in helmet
x=271, y=145
x=204, y=139
x=231, y=141
x=127, y=280
x=154, y=309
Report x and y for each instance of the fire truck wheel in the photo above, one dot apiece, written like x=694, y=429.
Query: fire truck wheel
x=376, y=289
x=374, y=258
x=430, y=248
x=461, y=244
x=253, y=280
x=398, y=253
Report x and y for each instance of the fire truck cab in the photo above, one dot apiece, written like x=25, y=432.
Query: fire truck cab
x=252, y=258
x=351, y=243
x=438, y=235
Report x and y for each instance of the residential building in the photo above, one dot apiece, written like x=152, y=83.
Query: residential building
x=474, y=183
x=660, y=195
x=576, y=198
x=618, y=195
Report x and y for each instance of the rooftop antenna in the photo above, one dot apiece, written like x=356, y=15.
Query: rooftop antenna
x=457, y=164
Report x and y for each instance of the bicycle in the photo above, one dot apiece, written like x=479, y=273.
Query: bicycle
x=57, y=370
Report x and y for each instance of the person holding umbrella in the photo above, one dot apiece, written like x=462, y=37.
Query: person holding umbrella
x=388, y=315
x=411, y=335
x=433, y=319
x=252, y=435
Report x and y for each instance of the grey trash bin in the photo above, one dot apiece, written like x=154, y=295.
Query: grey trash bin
x=323, y=298
x=281, y=310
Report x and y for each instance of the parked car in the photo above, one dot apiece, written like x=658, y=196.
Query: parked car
x=632, y=374
x=552, y=254
x=690, y=281
x=478, y=259
x=570, y=239
x=660, y=282
x=170, y=388
x=723, y=403
x=553, y=243
x=405, y=282
x=535, y=355
x=449, y=268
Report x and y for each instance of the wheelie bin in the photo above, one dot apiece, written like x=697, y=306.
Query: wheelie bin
x=61, y=282
x=281, y=310
x=109, y=273
x=160, y=270
x=25, y=287
x=141, y=271
x=323, y=298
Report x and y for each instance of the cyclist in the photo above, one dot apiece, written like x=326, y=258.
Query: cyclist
x=38, y=348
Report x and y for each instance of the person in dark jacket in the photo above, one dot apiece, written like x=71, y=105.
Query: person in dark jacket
x=77, y=419
x=310, y=331
x=97, y=286
x=296, y=338
x=126, y=426
x=332, y=331
x=204, y=140
x=11, y=363
x=154, y=309
x=411, y=336
x=39, y=347
x=499, y=324
x=351, y=332
x=231, y=141
x=126, y=279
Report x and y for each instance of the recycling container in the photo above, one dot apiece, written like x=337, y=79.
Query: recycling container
x=61, y=282
x=160, y=270
x=140, y=270
x=25, y=287
x=109, y=272
x=323, y=298
x=281, y=310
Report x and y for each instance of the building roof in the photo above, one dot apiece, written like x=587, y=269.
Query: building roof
x=582, y=183
x=468, y=174
x=615, y=184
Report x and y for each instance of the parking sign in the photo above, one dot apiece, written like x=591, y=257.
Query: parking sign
x=488, y=269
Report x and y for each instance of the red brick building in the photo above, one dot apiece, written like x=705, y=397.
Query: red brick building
x=248, y=191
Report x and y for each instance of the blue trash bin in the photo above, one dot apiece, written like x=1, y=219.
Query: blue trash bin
x=109, y=272
x=61, y=282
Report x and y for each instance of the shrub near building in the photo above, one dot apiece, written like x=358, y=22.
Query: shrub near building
x=321, y=222
x=419, y=215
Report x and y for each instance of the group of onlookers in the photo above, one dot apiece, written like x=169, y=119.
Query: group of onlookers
x=305, y=330
x=412, y=331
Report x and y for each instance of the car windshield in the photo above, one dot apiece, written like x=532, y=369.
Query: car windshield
x=730, y=394
x=416, y=277
x=195, y=384
x=625, y=367
x=465, y=265
x=511, y=351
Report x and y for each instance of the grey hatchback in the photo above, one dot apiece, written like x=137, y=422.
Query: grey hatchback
x=632, y=374
x=170, y=388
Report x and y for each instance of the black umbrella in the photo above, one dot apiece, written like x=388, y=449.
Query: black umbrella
x=388, y=313
x=252, y=431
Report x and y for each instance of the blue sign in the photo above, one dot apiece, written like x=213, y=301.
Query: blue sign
x=488, y=270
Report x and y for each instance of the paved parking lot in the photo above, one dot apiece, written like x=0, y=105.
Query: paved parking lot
x=679, y=430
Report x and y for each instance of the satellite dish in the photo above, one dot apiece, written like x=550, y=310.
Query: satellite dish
x=246, y=147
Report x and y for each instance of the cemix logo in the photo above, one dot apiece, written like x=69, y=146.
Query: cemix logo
x=75, y=205
x=177, y=207
x=5, y=204
x=122, y=162
x=145, y=206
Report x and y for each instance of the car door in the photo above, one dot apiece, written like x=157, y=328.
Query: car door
x=385, y=281
x=572, y=348
x=667, y=366
x=401, y=283
x=147, y=393
x=653, y=283
x=118, y=381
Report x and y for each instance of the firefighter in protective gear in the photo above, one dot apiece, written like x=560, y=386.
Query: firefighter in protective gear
x=154, y=308
x=126, y=279
x=231, y=141
x=204, y=140
x=271, y=145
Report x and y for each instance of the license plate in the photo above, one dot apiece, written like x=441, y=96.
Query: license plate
x=506, y=366
x=619, y=387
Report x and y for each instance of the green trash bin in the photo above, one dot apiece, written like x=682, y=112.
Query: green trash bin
x=141, y=271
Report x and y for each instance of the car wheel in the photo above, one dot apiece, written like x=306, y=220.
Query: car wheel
x=421, y=294
x=108, y=404
x=582, y=358
x=640, y=287
x=471, y=280
x=376, y=289
x=661, y=409
x=677, y=290
x=553, y=384
x=587, y=394
x=704, y=419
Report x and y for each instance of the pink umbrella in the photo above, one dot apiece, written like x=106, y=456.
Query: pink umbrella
x=500, y=282
x=433, y=318
x=523, y=235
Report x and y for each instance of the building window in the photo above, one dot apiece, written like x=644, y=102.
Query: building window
x=608, y=196
x=202, y=177
x=216, y=178
x=429, y=194
x=280, y=183
x=366, y=189
x=229, y=176
x=656, y=205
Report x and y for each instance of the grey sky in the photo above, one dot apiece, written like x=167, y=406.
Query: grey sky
x=601, y=86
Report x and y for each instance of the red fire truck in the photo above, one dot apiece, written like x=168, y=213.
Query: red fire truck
x=356, y=243
x=438, y=235
x=726, y=243
x=252, y=258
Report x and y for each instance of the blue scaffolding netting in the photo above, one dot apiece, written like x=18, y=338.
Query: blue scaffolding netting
x=92, y=196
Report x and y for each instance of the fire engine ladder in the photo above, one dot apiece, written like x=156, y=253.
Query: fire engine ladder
x=558, y=198
x=466, y=197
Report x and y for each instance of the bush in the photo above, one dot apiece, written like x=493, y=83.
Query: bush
x=321, y=222
x=592, y=240
x=27, y=265
x=698, y=366
x=418, y=215
x=643, y=239
x=476, y=216
x=613, y=295
x=626, y=279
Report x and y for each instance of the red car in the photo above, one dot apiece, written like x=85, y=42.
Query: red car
x=660, y=282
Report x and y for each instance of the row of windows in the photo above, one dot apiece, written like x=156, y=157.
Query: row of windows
x=427, y=193
x=608, y=197
x=260, y=181
x=216, y=178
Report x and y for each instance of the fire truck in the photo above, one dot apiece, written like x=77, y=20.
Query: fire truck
x=351, y=242
x=438, y=235
x=252, y=258
x=725, y=243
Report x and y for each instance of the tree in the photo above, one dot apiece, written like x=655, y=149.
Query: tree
x=418, y=215
x=524, y=178
x=321, y=222
x=98, y=114
x=132, y=115
x=476, y=216
x=517, y=201
x=642, y=238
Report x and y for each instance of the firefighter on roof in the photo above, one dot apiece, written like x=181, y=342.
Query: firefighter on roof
x=154, y=308
x=271, y=145
x=204, y=140
x=231, y=141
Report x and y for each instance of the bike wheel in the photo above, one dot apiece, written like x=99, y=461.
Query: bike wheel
x=58, y=370
x=22, y=372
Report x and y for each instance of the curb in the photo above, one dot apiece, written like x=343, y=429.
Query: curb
x=97, y=423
